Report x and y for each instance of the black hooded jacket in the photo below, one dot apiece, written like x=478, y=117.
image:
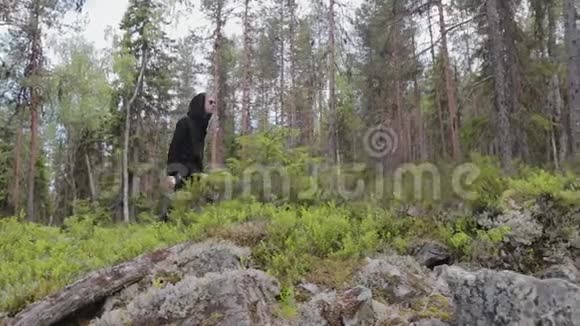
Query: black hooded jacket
x=185, y=155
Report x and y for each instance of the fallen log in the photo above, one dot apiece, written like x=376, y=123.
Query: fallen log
x=91, y=289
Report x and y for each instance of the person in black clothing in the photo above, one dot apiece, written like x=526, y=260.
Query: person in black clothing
x=185, y=157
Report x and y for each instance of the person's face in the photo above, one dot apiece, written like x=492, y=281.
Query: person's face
x=210, y=104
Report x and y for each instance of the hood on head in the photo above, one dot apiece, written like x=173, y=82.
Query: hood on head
x=197, y=108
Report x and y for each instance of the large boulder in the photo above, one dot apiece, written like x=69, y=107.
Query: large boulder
x=242, y=297
x=487, y=297
x=407, y=289
x=348, y=308
x=196, y=260
x=566, y=271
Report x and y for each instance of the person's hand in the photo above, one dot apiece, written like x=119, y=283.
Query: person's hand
x=172, y=181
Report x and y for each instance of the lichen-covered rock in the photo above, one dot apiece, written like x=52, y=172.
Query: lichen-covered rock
x=565, y=271
x=524, y=229
x=195, y=260
x=506, y=298
x=395, y=279
x=349, y=308
x=407, y=289
x=209, y=257
x=243, y=297
x=428, y=322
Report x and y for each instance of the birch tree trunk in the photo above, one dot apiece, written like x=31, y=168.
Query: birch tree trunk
x=559, y=134
x=91, y=179
x=127, y=134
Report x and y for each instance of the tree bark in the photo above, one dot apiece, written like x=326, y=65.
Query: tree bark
x=420, y=141
x=555, y=91
x=442, y=133
x=218, y=146
x=292, y=41
x=573, y=48
x=91, y=179
x=500, y=82
x=283, y=113
x=35, y=68
x=17, y=163
x=333, y=137
x=127, y=134
x=91, y=289
x=450, y=87
x=247, y=78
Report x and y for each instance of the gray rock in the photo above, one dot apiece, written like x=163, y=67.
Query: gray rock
x=311, y=288
x=208, y=257
x=196, y=260
x=433, y=254
x=395, y=279
x=349, y=308
x=428, y=322
x=566, y=272
x=506, y=298
x=229, y=298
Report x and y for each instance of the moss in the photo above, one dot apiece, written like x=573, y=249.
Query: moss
x=434, y=306
x=334, y=274
x=163, y=278
x=213, y=320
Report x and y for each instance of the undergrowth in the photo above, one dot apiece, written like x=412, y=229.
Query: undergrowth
x=322, y=242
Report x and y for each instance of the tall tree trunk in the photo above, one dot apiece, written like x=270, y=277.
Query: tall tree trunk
x=442, y=133
x=573, y=47
x=421, y=143
x=247, y=78
x=450, y=87
x=513, y=90
x=332, y=131
x=34, y=70
x=218, y=145
x=292, y=41
x=283, y=113
x=560, y=144
x=17, y=163
x=127, y=135
x=92, y=188
x=500, y=74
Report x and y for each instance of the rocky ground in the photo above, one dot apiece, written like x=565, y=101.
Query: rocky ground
x=210, y=284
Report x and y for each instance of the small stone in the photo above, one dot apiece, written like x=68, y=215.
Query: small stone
x=433, y=254
x=311, y=288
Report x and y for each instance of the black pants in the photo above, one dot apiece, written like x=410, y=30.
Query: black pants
x=179, y=184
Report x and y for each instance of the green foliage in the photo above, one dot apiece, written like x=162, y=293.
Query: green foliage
x=37, y=260
x=532, y=183
x=490, y=184
x=322, y=242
